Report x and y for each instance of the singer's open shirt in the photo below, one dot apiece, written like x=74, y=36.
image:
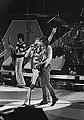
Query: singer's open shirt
x=39, y=53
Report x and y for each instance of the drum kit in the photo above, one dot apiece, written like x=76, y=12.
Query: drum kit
x=71, y=41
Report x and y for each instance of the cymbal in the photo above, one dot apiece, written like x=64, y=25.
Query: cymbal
x=82, y=40
x=61, y=21
x=37, y=14
x=66, y=26
x=43, y=15
x=29, y=14
x=78, y=25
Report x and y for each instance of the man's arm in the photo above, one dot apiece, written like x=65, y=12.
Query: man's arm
x=27, y=52
x=52, y=34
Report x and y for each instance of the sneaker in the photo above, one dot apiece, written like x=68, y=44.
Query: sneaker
x=43, y=102
x=24, y=105
x=54, y=101
x=30, y=106
x=21, y=86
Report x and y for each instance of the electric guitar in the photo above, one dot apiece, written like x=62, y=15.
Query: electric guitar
x=13, y=54
x=12, y=51
x=3, y=53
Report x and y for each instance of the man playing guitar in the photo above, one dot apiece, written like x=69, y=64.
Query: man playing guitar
x=2, y=53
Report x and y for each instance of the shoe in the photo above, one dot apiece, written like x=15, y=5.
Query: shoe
x=32, y=106
x=14, y=85
x=43, y=102
x=54, y=101
x=25, y=105
x=21, y=86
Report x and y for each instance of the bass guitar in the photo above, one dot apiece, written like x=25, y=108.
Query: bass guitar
x=12, y=52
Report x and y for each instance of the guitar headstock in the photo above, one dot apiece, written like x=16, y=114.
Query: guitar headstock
x=8, y=40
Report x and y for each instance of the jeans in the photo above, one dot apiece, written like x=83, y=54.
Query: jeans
x=34, y=78
x=18, y=69
x=45, y=82
x=35, y=75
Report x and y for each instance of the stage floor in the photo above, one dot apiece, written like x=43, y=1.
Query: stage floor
x=70, y=105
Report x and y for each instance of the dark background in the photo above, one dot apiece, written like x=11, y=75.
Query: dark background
x=69, y=10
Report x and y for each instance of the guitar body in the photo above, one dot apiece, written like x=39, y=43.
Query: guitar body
x=12, y=53
x=2, y=53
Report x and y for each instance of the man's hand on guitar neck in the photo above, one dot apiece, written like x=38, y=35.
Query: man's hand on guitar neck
x=10, y=46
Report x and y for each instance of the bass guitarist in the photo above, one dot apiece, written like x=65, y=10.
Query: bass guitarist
x=2, y=53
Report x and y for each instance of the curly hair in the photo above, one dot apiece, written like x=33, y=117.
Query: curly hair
x=45, y=40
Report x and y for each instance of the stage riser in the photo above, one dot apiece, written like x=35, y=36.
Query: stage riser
x=71, y=79
x=2, y=102
x=56, y=82
x=10, y=94
x=78, y=88
x=13, y=95
x=67, y=86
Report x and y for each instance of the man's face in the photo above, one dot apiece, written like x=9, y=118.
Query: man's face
x=37, y=42
x=43, y=44
x=20, y=40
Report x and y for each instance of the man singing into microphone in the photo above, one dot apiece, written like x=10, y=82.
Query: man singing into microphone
x=36, y=60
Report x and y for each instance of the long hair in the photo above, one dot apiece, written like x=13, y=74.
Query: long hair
x=45, y=41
